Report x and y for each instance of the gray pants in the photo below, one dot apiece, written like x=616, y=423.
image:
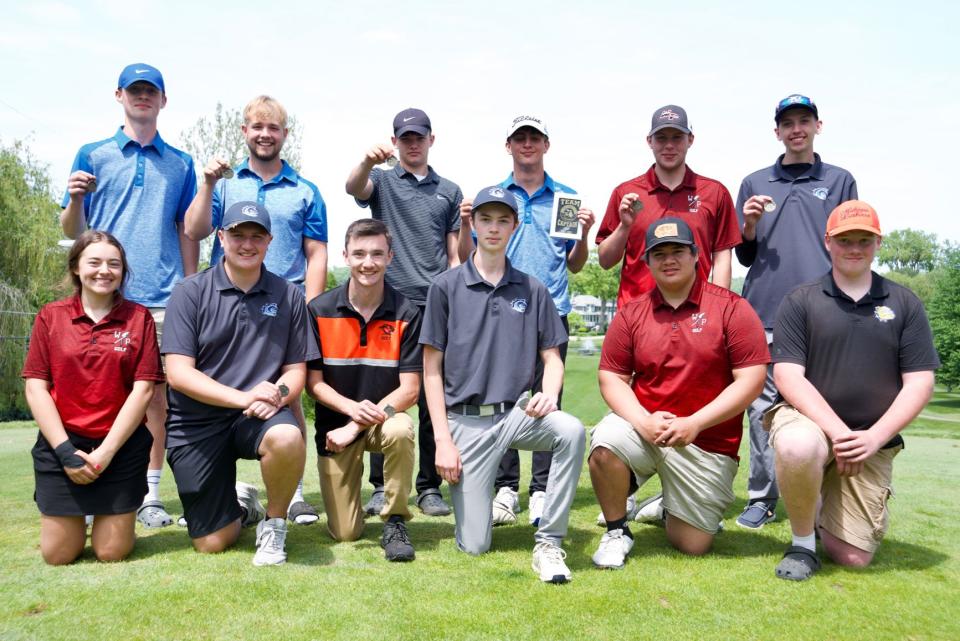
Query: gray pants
x=482, y=442
x=762, y=483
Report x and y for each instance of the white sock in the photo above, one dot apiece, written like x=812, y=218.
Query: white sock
x=809, y=541
x=298, y=495
x=153, y=485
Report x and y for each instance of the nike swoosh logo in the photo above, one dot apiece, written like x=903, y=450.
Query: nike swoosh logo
x=441, y=197
x=408, y=119
x=141, y=71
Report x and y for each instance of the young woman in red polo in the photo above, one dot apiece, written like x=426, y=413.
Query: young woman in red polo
x=90, y=371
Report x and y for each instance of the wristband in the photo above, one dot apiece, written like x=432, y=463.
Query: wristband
x=67, y=454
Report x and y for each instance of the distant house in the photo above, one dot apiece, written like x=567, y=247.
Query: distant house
x=589, y=308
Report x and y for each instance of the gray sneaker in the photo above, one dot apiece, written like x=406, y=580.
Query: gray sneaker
x=431, y=503
x=375, y=505
x=248, y=497
x=271, y=537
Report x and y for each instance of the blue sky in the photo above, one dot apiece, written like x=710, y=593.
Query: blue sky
x=886, y=79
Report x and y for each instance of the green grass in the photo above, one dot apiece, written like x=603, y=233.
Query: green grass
x=347, y=591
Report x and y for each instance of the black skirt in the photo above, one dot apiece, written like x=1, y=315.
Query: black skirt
x=119, y=490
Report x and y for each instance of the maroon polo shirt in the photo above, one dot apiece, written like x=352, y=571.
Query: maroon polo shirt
x=681, y=359
x=92, y=366
x=703, y=203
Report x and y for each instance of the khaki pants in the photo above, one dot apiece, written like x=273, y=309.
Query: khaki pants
x=341, y=477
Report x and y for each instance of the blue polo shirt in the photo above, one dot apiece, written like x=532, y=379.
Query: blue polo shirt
x=297, y=211
x=142, y=193
x=531, y=249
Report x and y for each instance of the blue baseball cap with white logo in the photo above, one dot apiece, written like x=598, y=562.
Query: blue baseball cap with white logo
x=795, y=101
x=496, y=194
x=246, y=211
x=140, y=72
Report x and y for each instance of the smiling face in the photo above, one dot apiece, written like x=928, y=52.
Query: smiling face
x=494, y=222
x=852, y=252
x=244, y=246
x=673, y=265
x=368, y=258
x=265, y=134
x=670, y=147
x=141, y=102
x=527, y=146
x=99, y=269
x=796, y=130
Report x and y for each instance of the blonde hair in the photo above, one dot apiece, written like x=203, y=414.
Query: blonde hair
x=265, y=105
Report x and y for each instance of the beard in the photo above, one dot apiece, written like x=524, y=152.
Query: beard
x=264, y=156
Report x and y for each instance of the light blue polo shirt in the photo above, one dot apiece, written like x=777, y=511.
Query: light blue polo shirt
x=531, y=249
x=142, y=193
x=296, y=211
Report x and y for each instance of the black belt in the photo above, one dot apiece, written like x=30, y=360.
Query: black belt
x=481, y=410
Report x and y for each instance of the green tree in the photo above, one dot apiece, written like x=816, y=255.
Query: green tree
x=924, y=284
x=594, y=280
x=577, y=325
x=909, y=251
x=31, y=264
x=944, y=311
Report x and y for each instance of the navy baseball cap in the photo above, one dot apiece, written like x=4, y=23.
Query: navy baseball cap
x=667, y=230
x=139, y=71
x=246, y=211
x=793, y=101
x=496, y=194
x=672, y=117
x=414, y=120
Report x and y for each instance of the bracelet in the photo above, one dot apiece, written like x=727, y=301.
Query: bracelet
x=67, y=454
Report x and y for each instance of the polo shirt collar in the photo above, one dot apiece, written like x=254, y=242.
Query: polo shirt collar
x=689, y=180
x=387, y=306
x=777, y=172
x=472, y=277
x=123, y=140
x=693, y=298
x=119, y=312
x=287, y=172
x=432, y=176
x=878, y=287
x=223, y=283
x=548, y=185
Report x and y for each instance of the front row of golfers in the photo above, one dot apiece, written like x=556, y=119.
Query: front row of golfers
x=853, y=355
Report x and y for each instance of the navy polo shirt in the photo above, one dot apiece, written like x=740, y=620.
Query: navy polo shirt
x=419, y=215
x=788, y=250
x=238, y=339
x=491, y=335
x=854, y=352
x=142, y=193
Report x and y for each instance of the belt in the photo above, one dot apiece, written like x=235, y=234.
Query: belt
x=481, y=410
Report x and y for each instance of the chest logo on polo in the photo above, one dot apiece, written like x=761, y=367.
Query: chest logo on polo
x=693, y=203
x=697, y=322
x=519, y=305
x=386, y=332
x=883, y=313
x=270, y=309
x=820, y=192
x=120, y=341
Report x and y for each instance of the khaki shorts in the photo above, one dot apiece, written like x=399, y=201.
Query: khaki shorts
x=853, y=509
x=697, y=485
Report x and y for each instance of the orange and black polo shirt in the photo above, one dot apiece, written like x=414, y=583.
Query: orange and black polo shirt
x=362, y=360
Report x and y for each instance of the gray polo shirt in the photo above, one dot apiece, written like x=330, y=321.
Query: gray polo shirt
x=788, y=250
x=491, y=336
x=238, y=339
x=419, y=215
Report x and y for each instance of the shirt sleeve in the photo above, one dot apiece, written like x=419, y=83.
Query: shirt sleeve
x=189, y=189
x=411, y=354
x=728, y=232
x=616, y=354
x=148, y=366
x=611, y=218
x=917, y=351
x=37, y=363
x=376, y=175
x=433, y=331
x=551, y=332
x=216, y=207
x=453, y=218
x=315, y=218
x=80, y=163
x=790, y=331
x=180, y=323
x=301, y=345
x=745, y=338
x=747, y=249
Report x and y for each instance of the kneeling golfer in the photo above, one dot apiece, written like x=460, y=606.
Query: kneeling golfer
x=484, y=325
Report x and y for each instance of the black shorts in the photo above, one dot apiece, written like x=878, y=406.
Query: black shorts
x=119, y=490
x=206, y=471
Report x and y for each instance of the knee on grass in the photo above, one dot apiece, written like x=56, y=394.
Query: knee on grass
x=112, y=551
x=61, y=554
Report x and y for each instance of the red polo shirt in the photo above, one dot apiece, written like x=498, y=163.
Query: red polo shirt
x=92, y=366
x=681, y=359
x=703, y=203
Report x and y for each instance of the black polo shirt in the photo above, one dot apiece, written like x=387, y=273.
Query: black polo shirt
x=490, y=335
x=359, y=359
x=238, y=338
x=855, y=352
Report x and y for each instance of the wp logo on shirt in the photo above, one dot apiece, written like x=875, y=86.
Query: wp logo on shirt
x=121, y=340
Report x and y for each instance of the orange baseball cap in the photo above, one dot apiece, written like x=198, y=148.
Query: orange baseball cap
x=853, y=214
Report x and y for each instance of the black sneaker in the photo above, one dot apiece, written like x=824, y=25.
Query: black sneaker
x=396, y=542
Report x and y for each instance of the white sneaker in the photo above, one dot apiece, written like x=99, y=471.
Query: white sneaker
x=548, y=563
x=631, y=511
x=613, y=550
x=248, y=497
x=537, y=501
x=506, y=504
x=650, y=510
x=271, y=537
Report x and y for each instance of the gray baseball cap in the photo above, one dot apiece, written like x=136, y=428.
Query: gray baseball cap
x=670, y=116
x=246, y=211
x=496, y=194
x=667, y=230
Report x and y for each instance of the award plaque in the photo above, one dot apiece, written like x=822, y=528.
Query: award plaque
x=563, y=221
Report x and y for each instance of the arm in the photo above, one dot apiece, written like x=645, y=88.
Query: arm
x=47, y=416
x=183, y=376
x=735, y=397
x=73, y=219
x=610, y=251
x=359, y=184
x=544, y=402
x=454, y=242
x=316, y=278
x=198, y=217
x=577, y=257
x=616, y=393
x=793, y=385
x=129, y=418
x=465, y=235
x=447, y=456
x=722, y=271
x=189, y=251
